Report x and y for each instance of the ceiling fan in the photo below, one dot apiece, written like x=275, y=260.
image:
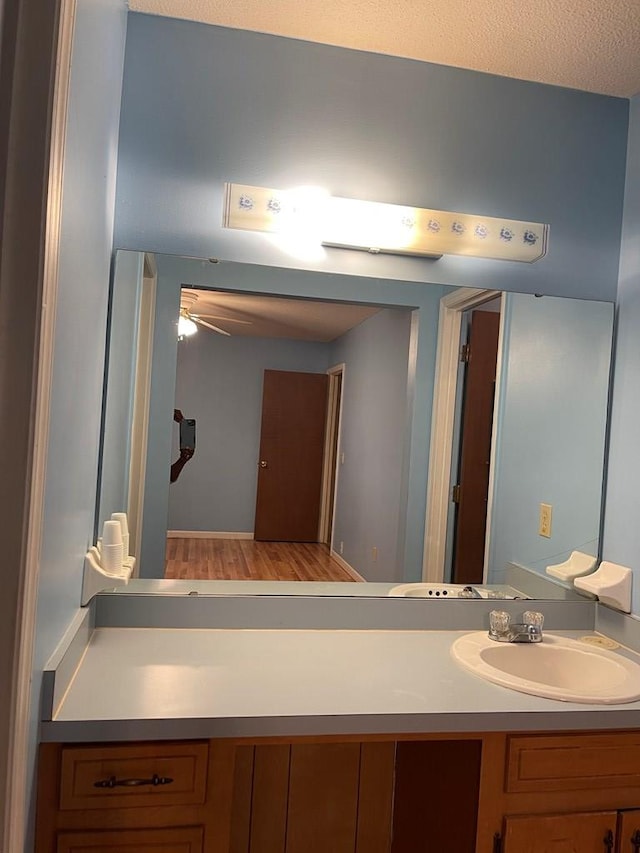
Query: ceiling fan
x=188, y=321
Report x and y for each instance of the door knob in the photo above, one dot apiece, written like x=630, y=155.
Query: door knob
x=263, y=464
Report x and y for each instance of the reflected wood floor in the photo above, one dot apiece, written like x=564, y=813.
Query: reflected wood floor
x=246, y=559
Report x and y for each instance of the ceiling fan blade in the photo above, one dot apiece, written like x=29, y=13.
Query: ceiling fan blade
x=210, y=326
x=226, y=319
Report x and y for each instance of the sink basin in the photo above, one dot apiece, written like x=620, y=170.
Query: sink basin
x=556, y=668
x=440, y=590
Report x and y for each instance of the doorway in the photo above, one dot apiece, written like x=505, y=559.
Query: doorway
x=441, y=448
x=470, y=492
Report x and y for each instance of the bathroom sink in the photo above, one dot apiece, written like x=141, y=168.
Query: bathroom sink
x=443, y=590
x=556, y=668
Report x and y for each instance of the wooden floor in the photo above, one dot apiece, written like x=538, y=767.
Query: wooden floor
x=245, y=559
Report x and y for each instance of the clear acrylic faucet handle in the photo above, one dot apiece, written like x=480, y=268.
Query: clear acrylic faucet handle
x=533, y=617
x=499, y=621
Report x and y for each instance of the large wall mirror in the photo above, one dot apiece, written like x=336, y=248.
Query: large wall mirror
x=526, y=426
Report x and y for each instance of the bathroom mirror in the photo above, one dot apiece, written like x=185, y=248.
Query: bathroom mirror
x=547, y=425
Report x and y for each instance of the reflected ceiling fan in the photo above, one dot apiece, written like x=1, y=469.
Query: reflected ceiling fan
x=188, y=321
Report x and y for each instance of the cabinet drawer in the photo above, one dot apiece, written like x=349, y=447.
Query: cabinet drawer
x=187, y=839
x=137, y=775
x=573, y=762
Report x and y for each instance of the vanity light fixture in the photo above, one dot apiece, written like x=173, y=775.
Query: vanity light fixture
x=377, y=227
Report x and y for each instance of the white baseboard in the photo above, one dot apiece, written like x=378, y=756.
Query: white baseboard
x=208, y=534
x=348, y=569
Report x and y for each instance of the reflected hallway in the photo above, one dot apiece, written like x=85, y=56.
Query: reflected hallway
x=247, y=559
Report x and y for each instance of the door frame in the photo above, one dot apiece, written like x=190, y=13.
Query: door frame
x=452, y=307
x=35, y=197
x=141, y=397
x=330, y=460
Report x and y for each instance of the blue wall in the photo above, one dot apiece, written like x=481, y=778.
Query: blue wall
x=203, y=105
x=551, y=429
x=78, y=360
x=219, y=383
x=376, y=409
x=622, y=530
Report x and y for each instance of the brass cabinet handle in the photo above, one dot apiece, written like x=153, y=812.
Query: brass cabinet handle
x=635, y=841
x=608, y=841
x=112, y=782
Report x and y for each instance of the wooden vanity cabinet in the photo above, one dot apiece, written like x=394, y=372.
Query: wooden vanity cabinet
x=467, y=793
x=169, y=840
x=574, y=793
x=628, y=832
x=160, y=797
x=357, y=797
x=589, y=832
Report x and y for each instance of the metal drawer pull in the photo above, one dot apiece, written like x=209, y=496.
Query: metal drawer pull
x=608, y=841
x=635, y=841
x=112, y=782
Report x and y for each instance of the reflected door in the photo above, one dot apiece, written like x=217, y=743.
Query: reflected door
x=294, y=407
x=475, y=451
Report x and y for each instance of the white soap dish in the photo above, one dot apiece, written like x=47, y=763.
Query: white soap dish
x=578, y=564
x=611, y=583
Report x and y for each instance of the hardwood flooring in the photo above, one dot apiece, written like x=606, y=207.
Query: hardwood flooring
x=246, y=559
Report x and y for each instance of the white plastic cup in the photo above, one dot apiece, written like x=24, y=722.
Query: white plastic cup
x=111, y=534
x=111, y=558
x=121, y=518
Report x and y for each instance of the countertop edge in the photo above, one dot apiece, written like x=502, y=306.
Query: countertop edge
x=77, y=731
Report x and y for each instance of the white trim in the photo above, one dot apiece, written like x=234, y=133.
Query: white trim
x=208, y=534
x=141, y=404
x=442, y=419
x=18, y=763
x=330, y=459
x=497, y=402
x=348, y=569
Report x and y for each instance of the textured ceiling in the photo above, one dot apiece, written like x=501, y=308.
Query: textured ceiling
x=273, y=317
x=583, y=44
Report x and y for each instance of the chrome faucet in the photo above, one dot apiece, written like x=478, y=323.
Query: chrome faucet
x=469, y=592
x=502, y=630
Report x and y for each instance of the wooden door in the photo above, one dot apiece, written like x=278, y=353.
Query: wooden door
x=587, y=832
x=629, y=832
x=475, y=452
x=294, y=407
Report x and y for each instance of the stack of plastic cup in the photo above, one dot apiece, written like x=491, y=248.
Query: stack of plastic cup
x=111, y=551
x=121, y=517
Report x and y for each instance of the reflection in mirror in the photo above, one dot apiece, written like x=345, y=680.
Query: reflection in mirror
x=532, y=434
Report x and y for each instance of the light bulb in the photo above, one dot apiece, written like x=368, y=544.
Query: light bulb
x=186, y=327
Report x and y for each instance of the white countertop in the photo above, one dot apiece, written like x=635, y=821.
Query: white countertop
x=135, y=683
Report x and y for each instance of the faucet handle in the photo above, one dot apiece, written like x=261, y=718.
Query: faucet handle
x=499, y=621
x=533, y=617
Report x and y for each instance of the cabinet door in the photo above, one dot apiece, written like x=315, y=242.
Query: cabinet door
x=629, y=832
x=590, y=832
x=187, y=839
x=313, y=798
